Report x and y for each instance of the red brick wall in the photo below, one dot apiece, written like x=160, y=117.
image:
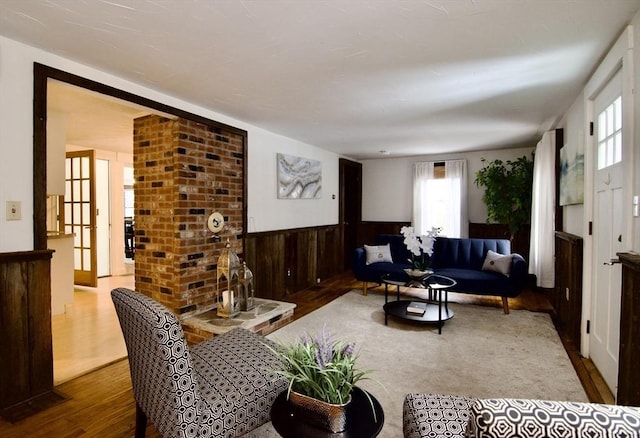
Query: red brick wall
x=184, y=171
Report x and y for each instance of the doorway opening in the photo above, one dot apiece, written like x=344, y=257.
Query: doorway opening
x=45, y=78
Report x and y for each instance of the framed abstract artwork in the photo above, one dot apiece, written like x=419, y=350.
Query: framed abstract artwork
x=299, y=178
x=571, y=176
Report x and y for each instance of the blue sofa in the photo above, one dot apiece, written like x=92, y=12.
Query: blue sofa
x=459, y=259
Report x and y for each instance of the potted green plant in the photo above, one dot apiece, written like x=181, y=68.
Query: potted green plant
x=321, y=373
x=508, y=188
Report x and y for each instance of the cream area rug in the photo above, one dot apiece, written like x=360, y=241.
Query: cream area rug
x=481, y=353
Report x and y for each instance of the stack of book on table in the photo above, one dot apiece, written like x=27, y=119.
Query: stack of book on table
x=416, y=308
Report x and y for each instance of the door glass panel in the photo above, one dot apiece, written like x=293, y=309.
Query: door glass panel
x=86, y=212
x=77, y=259
x=610, y=134
x=86, y=190
x=75, y=168
x=85, y=167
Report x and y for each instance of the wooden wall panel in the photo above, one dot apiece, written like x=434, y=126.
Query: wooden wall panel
x=26, y=368
x=628, y=382
x=264, y=255
x=286, y=261
x=370, y=230
x=566, y=297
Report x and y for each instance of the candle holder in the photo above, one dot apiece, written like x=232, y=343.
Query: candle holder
x=227, y=282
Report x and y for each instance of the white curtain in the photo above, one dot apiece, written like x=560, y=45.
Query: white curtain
x=456, y=177
x=541, y=254
x=441, y=202
x=422, y=174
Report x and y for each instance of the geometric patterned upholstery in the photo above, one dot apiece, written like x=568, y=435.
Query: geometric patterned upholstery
x=221, y=387
x=435, y=415
x=507, y=418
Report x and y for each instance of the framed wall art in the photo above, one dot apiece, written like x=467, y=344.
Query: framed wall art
x=298, y=178
x=571, y=175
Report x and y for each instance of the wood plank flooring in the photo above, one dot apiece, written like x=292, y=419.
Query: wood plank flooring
x=101, y=402
x=87, y=335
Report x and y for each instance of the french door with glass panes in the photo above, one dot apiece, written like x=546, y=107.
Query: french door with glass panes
x=80, y=215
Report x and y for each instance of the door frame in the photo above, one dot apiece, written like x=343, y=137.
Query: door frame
x=41, y=74
x=355, y=194
x=619, y=57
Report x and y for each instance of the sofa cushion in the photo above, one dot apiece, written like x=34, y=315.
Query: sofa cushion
x=435, y=415
x=378, y=254
x=478, y=282
x=511, y=418
x=466, y=253
x=497, y=263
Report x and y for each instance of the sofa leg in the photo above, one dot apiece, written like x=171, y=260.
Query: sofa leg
x=364, y=288
x=505, y=305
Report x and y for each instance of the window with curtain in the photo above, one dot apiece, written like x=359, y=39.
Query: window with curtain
x=440, y=197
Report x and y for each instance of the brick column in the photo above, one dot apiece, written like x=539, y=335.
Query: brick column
x=184, y=171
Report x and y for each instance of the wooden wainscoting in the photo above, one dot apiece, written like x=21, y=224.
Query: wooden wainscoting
x=369, y=230
x=628, y=382
x=25, y=313
x=287, y=261
x=566, y=297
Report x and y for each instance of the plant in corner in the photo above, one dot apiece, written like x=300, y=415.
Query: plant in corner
x=508, y=187
x=321, y=368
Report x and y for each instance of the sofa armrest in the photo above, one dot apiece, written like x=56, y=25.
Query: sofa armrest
x=518, y=266
x=506, y=418
x=358, y=263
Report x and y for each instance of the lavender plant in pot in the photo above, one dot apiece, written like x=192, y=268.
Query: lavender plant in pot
x=321, y=373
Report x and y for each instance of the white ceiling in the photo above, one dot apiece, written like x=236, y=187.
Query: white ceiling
x=356, y=77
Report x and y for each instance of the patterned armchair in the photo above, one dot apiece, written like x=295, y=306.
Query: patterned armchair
x=218, y=388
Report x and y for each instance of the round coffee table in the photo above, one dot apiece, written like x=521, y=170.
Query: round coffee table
x=434, y=310
x=360, y=419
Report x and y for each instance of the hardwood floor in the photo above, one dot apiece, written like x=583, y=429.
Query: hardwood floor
x=87, y=335
x=101, y=402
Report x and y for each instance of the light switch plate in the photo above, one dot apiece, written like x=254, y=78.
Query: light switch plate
x=14, y=210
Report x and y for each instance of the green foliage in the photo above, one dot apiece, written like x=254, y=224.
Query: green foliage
x=320, y=367
x=508, y=188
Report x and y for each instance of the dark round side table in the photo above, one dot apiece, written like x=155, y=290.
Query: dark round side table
x=360, y=419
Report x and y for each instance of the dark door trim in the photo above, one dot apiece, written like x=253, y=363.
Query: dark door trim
x=41, y=74
x=350, y=212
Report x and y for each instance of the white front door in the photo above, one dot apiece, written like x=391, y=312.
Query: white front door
x=607, y=231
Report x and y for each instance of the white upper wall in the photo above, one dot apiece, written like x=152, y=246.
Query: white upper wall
x=16, y=148
x=387, y=183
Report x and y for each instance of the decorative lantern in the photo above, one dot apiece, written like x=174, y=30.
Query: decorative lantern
x=228, y=283
x=247, y=301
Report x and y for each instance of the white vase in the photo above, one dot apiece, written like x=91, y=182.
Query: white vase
x=418, y=274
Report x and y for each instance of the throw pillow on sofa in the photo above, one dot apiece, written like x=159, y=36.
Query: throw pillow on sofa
x=378, y=254
x=497, y=263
